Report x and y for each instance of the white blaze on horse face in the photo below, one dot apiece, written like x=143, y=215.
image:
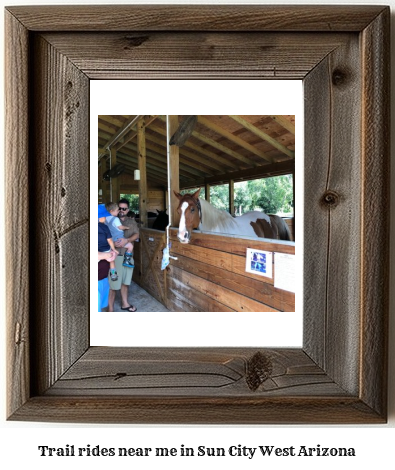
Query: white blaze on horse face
x=182, y=230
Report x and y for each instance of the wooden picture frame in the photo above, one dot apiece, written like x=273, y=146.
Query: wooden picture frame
x=340, y=373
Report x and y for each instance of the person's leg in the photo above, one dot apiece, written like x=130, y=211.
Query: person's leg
x=100, y=300
x=125, y=304
x=126, y=281
x=115, y=284
x=124, y=296
x=113, y=272
x=103, y=290
x=111, y=300
x=129, y=247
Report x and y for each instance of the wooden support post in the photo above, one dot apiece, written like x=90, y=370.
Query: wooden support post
x=101, y=198
x=114, y=183
x=231, y=197
x=106, y=184
x=174, y=172
x=207, y=190
x=142, y=166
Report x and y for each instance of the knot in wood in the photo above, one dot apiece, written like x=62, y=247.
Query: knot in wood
x=330, y=199
x=259, y=369
x=135, y=41
x=339, y=77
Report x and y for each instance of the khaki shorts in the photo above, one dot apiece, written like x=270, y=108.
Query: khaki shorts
x=124, y=274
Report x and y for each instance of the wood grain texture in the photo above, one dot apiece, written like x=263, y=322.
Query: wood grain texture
x=192, y=17
x=376, y=200
x=17, y=193
x=60, y=202
x=209, y=274
x=150, y=275
x=198, y=410
x=339, y=376
x=184, y=55
x=182, y=371
x=195, y=385
x=332, y=205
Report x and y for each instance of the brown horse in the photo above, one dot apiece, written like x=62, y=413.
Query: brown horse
x=197, y=213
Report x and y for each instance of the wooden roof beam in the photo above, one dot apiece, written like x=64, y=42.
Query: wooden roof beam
x=201, y=152
x=265, y=171
x=154, y=172
x=133, y=133
x=186, y=153
x=112, y=120
x=233, y=138
x=108, y=129
x=264, y=136
x=222, y=148
x=128, y=124
x=186, y=166
x=288, y=125
x=159, y=155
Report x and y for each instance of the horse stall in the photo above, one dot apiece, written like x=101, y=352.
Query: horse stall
x=210, y=275
x=209, y=272
x=148, y=253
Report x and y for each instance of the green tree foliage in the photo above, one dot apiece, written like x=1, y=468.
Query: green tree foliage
x=270, y=195
x=133, y=201
x=219, y=196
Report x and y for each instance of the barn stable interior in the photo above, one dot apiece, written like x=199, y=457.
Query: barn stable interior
x=208, y=274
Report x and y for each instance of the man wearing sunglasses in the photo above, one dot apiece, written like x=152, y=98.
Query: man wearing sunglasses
x=124, y=273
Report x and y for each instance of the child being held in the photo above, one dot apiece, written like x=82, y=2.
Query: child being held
x=116, y=229
x=106, y=244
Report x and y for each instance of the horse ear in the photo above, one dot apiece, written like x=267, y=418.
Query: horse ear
x=196, y=194
x=178, y=195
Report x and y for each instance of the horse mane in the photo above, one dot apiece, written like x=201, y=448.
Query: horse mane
x=213, y=219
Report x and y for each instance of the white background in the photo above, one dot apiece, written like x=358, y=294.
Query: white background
x=373, y=444
x=252, y=97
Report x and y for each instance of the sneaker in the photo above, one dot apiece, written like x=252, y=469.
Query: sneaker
x=113, y=275
x=128, y=260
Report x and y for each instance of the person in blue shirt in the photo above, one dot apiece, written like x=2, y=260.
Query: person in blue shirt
x=106, y=244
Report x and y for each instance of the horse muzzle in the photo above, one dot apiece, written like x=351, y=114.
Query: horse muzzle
x=184, y=237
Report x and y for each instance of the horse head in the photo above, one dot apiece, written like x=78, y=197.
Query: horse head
x=190, y=214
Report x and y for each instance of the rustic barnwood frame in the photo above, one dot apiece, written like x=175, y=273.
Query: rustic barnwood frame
x=342, y=54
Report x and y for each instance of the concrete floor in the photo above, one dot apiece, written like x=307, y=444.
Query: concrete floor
x=140, y=299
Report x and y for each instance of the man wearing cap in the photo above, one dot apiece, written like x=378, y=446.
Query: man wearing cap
x=124, y=273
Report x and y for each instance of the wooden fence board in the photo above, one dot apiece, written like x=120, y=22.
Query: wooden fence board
x=183, y=297
x=254, y=288
x=232, y=299
x=209, y=274
x=233, y=244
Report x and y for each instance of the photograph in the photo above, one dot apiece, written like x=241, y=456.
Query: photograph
x=259, y=262
x=181, y=201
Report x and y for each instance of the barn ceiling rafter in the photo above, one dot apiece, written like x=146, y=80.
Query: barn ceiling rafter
x=220, y=147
